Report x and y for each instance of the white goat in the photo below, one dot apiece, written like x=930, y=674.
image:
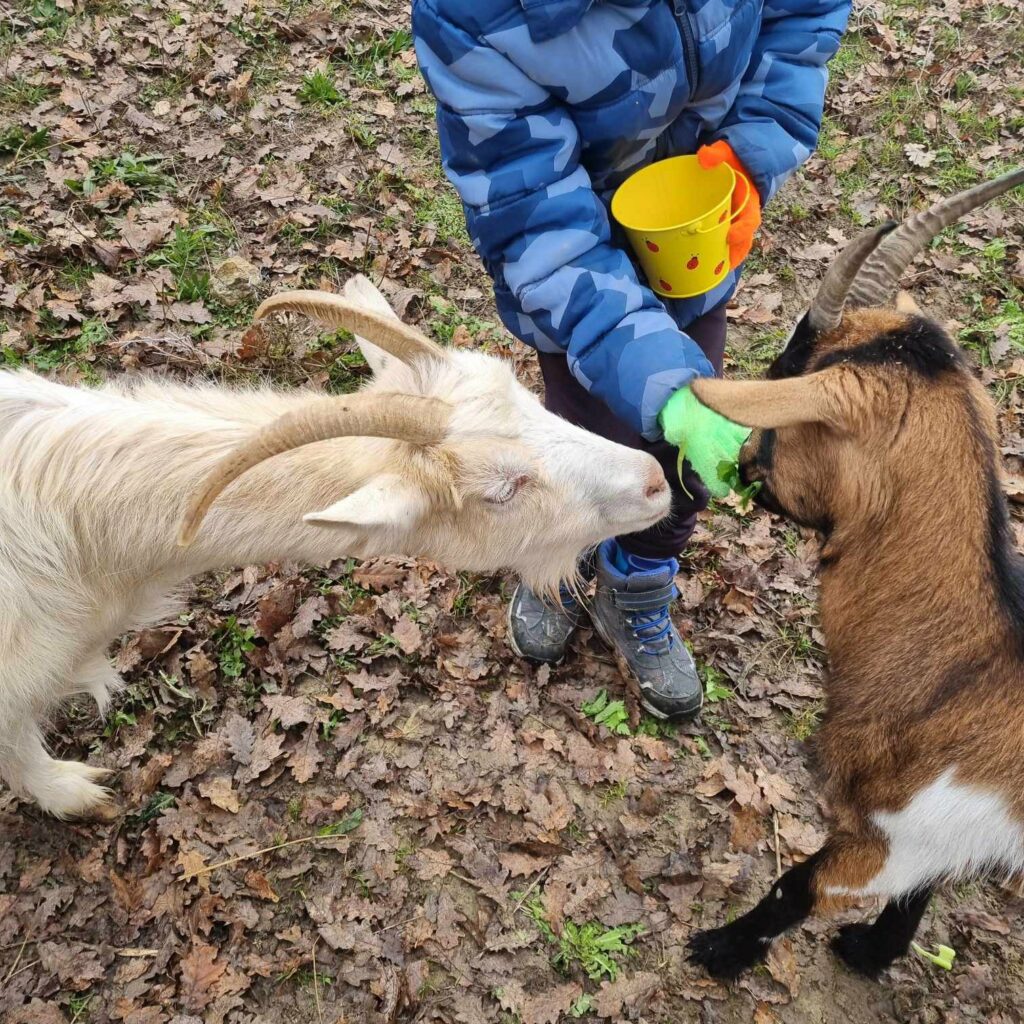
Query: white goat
x=103, y=491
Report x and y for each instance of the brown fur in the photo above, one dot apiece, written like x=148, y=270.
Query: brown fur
x=926, y=666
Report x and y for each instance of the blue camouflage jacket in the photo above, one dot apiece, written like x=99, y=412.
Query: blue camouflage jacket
x=545, y=106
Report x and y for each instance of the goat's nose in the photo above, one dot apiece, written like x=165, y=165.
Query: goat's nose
x=656, y=483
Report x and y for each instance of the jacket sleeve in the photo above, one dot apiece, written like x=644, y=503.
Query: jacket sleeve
x=513, y=153
x=774, y=123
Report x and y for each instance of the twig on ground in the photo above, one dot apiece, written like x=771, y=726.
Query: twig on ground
x=316, y=985
x=255, y=853
x=21, y=949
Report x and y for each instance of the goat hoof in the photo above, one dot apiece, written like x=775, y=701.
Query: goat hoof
x=726, y=952
x=858, y=949
x=71, y=791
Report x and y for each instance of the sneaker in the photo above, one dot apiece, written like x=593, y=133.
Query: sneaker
x=539, y=630
x=630, y=611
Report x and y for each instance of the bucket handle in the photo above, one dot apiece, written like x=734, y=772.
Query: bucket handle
x=739, y=209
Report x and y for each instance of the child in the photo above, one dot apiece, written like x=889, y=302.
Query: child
x=544, y=107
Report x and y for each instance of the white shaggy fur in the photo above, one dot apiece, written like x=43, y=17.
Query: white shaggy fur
x=93, y=485
x=948, y=830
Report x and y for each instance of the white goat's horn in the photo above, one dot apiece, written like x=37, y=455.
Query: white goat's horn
x=879, y=279
x=384, y=329
x=827, y=308
x=413, y=418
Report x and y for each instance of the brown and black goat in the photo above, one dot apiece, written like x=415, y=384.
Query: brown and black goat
x=872, y=429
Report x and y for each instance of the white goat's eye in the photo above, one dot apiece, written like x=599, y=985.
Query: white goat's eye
x=506, y=490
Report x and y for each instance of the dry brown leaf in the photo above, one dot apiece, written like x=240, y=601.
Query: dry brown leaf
x=200, y=971
x=219, y=792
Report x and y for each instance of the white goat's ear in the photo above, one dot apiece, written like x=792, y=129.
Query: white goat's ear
x=387, y=501
x=361, y=290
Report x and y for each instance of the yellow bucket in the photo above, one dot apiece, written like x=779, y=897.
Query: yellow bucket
x=677, y=215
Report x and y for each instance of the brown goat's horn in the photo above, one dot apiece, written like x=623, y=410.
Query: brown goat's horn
x=413, y=418
x=827, y=308
x=383, y=329
x=880, y=277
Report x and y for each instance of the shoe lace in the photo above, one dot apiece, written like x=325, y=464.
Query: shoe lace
x=652, y=629
x=568, y=599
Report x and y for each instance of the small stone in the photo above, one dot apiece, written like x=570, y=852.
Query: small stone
x=234, y=281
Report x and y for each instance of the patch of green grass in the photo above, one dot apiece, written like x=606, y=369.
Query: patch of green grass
x=613, y=793
x=1007, y=323
x=318, y=89
x=78, y=1007
x=442, y=207
x=715, y=690
x=448, y=318
x=233, y=641
x=18, y=91
x=187, y=255
x=805, y=723
x=367, y=61
x=854, y=52
x=611, y=714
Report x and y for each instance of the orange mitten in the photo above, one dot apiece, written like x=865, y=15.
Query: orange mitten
x=741, y=234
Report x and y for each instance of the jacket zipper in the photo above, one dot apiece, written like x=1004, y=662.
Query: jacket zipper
x=689, y=43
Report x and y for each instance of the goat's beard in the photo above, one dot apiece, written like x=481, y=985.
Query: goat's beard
x=549, y=577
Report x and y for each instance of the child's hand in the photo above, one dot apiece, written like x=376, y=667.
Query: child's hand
x=703, y=437
x=741, y=234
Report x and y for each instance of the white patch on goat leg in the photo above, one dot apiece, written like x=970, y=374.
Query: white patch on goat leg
x=948, y=830
x=98, y=678
x=66, y=789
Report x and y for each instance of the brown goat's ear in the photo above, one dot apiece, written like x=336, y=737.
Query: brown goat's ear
x=905, y=303
x=769, y=404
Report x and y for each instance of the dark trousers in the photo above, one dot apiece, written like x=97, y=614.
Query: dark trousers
x=564, y=395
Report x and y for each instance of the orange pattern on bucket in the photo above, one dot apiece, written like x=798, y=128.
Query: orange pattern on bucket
x=677, y=216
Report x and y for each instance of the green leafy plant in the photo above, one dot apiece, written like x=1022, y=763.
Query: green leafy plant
x=596, y=949
x=349, y=823
x=729, y=473
x=141, y=174
x=233, y=643
x=582, y=1006
x=715, y=689
x=611, y=714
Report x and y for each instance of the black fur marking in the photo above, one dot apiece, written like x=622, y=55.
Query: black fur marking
x=796, y=356
x=869, y=948
x=728, y=951
x=1007, y=565
x=923, y=347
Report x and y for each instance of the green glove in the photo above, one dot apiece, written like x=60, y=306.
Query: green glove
x=703, y=438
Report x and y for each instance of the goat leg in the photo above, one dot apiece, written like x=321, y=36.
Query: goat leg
x=728, y=951
x=869, y=949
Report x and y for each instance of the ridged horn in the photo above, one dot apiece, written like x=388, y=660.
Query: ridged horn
x=413, y=418
x=383, y=329
x=827, y=308
x=879, y=278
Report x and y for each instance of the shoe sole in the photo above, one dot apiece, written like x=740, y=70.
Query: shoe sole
x=634, y=684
